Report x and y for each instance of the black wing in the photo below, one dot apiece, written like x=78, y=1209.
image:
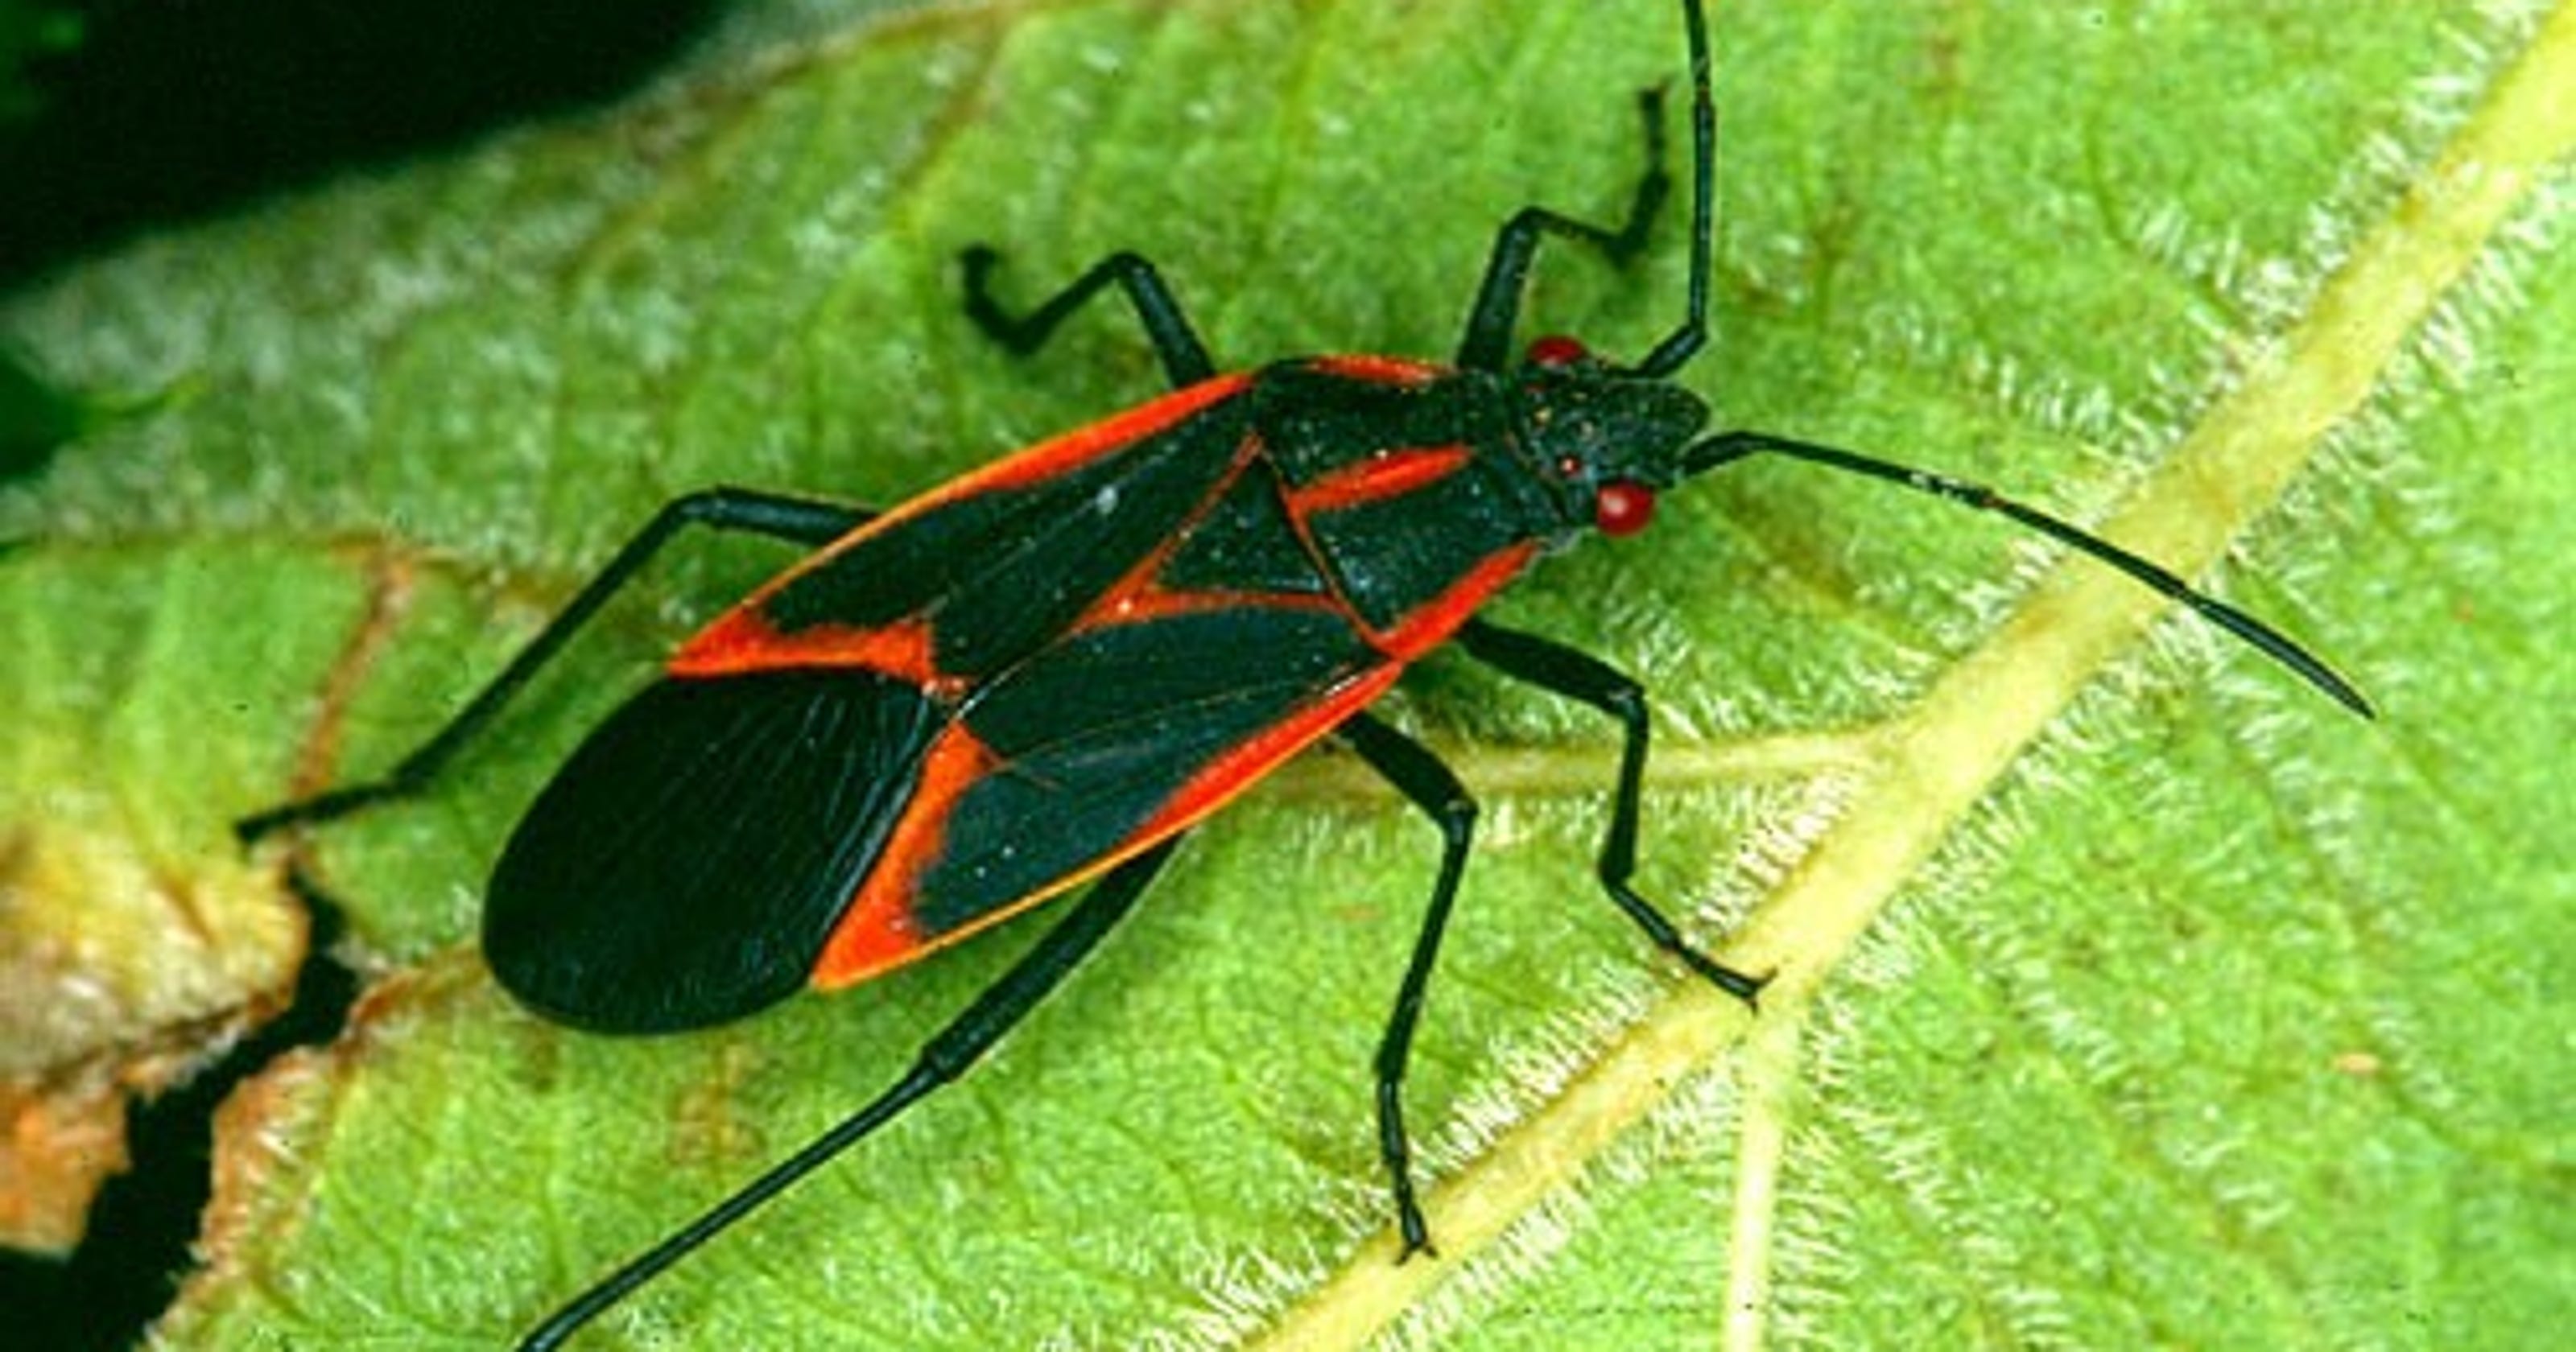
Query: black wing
x=686, y=864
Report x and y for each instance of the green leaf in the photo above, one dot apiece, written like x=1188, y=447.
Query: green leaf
x=2128, y=992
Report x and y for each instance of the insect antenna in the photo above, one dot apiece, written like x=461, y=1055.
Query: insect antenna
x=2272, y=643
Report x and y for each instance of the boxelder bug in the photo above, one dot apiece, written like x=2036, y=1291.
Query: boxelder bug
x=1041, y=674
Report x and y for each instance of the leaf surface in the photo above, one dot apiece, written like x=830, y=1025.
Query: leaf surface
x=2128, y=992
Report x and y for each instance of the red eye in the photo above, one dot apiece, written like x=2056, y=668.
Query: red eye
x=1623, y=507
x=1558, y=350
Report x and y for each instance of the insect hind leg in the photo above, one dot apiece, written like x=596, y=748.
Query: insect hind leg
x=1185, y=358
x=946, y=1056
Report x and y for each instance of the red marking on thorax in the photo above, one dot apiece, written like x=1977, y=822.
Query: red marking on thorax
x=1379, y=370
x=1386, y=474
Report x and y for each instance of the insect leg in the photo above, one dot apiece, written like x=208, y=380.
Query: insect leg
x=943, y=1059
x=1185, y=359
x=798, y=520
x=1580, y=676
x=1420, y=777
x=1488, y=342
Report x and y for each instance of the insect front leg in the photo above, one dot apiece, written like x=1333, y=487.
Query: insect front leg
x=1580, y=676
x=1421, y=778
x=1487, y=345
x=1185, y=358
x=797, y=520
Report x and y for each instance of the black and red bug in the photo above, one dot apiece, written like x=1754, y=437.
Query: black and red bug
x=1040, y=675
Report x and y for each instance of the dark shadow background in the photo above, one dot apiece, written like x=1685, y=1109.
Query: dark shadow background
x=158, y=112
